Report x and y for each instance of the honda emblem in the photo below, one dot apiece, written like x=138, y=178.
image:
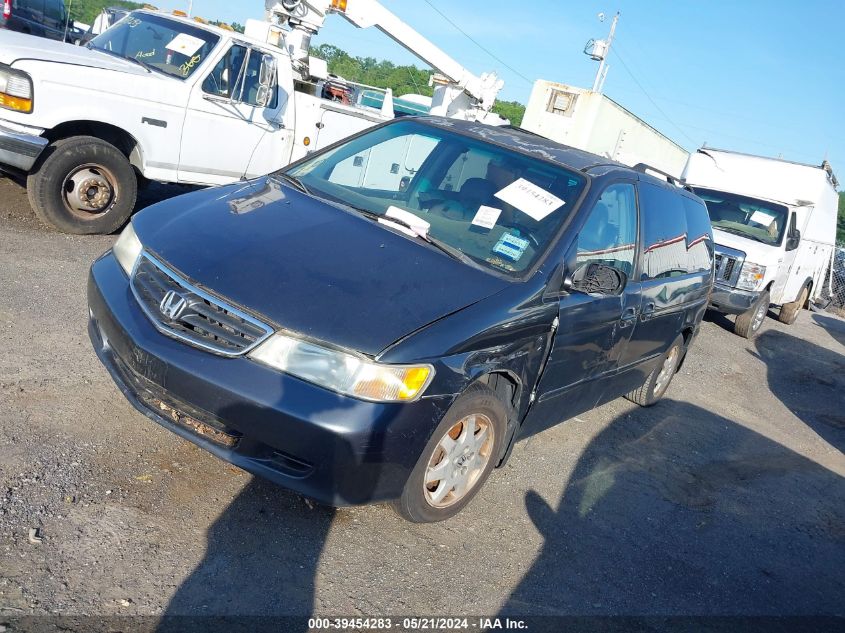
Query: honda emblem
x=173, y=305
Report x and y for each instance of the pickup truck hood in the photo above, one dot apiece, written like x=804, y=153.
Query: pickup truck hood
x=755, y=251
x=15, y=47
x=308, y=266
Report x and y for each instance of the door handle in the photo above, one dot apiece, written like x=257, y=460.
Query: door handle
x=648, y=311
x=629, y=315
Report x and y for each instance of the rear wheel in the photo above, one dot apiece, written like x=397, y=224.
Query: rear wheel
x=83, y=185
x=658, y=381
x=458, y=458
x=789, y=311
x=749, y=323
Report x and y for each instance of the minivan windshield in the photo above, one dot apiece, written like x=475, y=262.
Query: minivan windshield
x=493, y=207
x=759, y=220
x=157, y=43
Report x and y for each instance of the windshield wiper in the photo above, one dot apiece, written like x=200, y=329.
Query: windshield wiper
x=741, y=234
x=440, y=245
x=291, y=180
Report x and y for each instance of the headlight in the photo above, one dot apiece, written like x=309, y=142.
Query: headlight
x=15, y=90
x=127, y=249
x=751, y=276
x=343, y=372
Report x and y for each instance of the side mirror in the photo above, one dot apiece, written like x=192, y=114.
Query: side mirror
x=793, y=240
x=596, y=278
x=267, y=78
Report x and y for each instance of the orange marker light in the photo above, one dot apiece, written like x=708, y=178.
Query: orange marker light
x=339, y=5
x=16, y=103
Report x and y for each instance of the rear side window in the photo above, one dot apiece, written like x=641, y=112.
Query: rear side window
x=699, y=236
x=664, y=222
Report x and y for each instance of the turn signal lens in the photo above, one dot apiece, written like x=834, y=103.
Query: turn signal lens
x=339, y=5
x=16, y=103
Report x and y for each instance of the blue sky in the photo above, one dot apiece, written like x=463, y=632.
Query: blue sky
x=755, y=76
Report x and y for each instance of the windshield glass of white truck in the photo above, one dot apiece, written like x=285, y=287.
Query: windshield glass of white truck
x=159, y=44
x=756, y=219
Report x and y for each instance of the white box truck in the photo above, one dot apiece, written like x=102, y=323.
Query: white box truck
x=774, y=223
x=594, y=122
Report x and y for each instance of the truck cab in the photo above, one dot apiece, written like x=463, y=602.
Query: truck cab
x=155, y=97
x=774, y=223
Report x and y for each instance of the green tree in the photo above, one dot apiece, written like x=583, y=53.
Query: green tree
x=402, y=80
x=86, y=11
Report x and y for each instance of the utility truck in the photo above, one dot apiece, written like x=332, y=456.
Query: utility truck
x=167, y=98
x=774, y=223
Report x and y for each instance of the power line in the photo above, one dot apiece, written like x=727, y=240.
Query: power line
x=478, y=44
x=648, y=96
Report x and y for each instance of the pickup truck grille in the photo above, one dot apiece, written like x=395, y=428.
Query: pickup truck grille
x=183, y=311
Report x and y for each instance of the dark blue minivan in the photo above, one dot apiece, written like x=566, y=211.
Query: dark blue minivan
x=359, y=335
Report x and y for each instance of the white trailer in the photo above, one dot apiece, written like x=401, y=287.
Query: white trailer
x=175, y=99
x=774, y=223
x=594, y=122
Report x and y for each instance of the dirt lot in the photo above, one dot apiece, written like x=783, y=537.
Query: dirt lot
x=727, y=498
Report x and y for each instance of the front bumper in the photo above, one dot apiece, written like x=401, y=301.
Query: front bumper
x=336, y=449
x=20, y=149
x=732, y=301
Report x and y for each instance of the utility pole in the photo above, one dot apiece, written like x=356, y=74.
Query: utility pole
x=601, y=74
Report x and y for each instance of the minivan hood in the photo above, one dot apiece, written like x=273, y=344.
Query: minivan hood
x=16, y=46
x=308, y=266
x=755, y=251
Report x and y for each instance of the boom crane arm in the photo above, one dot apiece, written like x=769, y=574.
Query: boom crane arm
x=458, y=92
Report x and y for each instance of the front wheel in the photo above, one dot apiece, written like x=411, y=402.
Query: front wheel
x=458, y=458
x=749, y=323
x=83, y=185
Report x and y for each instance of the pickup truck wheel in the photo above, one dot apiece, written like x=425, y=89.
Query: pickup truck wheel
x=83, y=185
x=658, y=380
x=749, y=323
x=458, y=458
x=789, y=311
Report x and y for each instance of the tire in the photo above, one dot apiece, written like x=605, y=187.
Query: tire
x=749, y=323
x=83, y=185
x=660, y=378
x=419, y=502
x=789, y=311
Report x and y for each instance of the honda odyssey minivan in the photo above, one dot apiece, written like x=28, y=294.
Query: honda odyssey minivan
x=358, y=337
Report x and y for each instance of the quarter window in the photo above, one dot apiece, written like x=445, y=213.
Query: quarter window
x=610, y=233
x=699, y=237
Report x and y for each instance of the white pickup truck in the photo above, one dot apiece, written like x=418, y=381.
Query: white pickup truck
x=165, y=98
x=774, y=223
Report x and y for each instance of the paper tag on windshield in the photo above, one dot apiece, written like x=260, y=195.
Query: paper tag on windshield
x=532, y=200
x=419, y=227
x=185, y=44
x=511, y=247
x=762, y=218
x=486, y=217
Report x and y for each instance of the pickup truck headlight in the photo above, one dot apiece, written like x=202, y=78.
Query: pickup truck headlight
x=127, y=249
x=751, y=276
x=15, y=90
x=343, y=372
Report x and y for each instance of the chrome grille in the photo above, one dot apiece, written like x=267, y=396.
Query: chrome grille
x=183, y=311
x=728, y=266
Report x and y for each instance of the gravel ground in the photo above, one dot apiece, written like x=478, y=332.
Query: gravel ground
x=726, y=498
